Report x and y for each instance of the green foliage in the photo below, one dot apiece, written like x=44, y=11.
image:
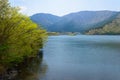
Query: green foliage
x=19, y=36
x=53, y=33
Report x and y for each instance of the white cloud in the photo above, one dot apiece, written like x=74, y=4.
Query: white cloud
x=23, y=8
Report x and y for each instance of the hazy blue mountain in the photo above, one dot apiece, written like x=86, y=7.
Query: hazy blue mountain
x=75, y=22
x=45, y=20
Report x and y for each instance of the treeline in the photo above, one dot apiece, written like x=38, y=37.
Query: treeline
x=112, y=28
x=20, y=38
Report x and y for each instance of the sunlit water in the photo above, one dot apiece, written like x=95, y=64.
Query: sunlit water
x=80, y=58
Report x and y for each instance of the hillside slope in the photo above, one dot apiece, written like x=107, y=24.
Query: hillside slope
x=112, y=28
x=45, y=20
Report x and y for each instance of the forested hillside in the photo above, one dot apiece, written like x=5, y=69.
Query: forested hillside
x=112, y=28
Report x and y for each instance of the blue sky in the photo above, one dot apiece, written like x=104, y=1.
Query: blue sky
x=62, y=7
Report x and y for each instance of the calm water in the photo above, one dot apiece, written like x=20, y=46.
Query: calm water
x=80, y=58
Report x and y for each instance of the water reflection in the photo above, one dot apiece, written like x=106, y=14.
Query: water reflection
x=33, y=70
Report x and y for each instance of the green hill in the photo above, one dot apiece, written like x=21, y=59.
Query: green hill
x=112, y=28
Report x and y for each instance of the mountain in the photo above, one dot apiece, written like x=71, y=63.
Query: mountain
x=75, y=22
x=112, y=28
x=44, y=19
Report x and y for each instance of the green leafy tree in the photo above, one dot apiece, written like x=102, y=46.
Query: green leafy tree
x=20, y=38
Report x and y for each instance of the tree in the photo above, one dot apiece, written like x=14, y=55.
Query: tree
x=19, y=37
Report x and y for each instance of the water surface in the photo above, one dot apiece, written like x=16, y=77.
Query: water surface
x=81, y=58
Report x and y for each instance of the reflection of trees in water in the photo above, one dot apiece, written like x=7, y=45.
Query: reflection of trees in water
x=32, y=70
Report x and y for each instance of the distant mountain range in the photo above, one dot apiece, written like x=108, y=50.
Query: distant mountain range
x=82, y=21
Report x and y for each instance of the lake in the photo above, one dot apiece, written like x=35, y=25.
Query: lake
x=79, y=57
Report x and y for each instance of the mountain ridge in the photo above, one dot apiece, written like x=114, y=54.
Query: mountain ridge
x=74, y=22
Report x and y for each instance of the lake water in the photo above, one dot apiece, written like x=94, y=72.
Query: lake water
x=80, y=58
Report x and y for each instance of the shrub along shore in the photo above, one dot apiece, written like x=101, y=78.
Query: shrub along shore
x=20, y=38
